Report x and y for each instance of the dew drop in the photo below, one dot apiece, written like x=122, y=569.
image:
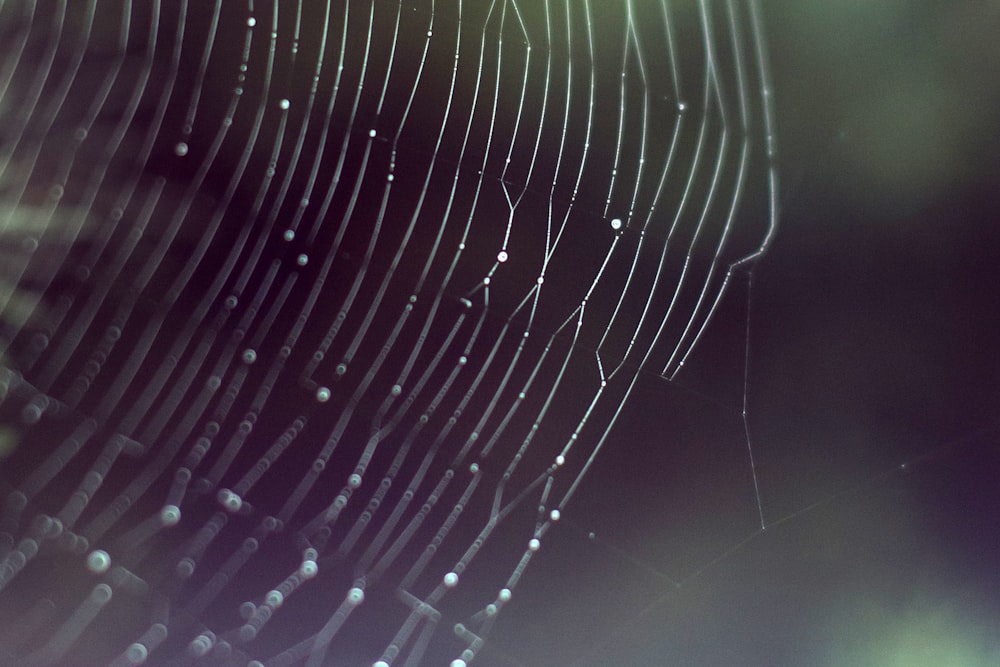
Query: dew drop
x=98, y=561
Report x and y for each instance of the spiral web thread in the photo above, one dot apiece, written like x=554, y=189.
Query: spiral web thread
x=344, y=298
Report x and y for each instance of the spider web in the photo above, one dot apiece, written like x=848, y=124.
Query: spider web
x=316, y=315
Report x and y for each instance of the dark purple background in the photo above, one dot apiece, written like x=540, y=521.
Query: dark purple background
x=873, y=391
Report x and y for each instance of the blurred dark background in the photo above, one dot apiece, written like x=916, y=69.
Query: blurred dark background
x=872, y=397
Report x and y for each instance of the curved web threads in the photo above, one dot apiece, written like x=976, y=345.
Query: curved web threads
x=315, y=315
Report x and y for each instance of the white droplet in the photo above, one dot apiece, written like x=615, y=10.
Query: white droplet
x=251, y=22
x=284, y=104
x=560, y=460
x=98, y=561
x=322, y=394
x=354, y=481
x=170, y=515
x=302, y=259
x=371, y=133
x=201, y=645
x=554, y=515
x=534, y=544
x=616, y=224
x=229, y=500
x=502, y=256
x=308, y=569
x=181, y=149
x=355, y=596
x=249, y=356
x=289, y=234
x=504, y=595
x=450, y=580
x=136, y=654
